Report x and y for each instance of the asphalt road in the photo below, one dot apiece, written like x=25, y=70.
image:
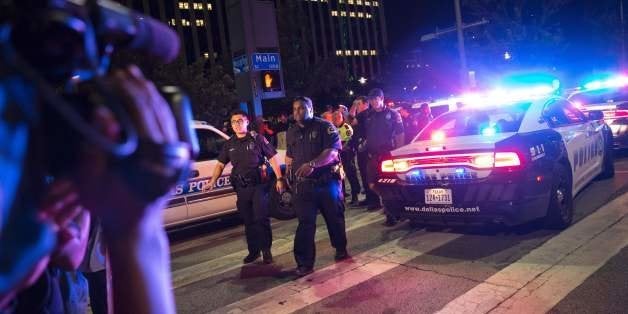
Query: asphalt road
x=419, y=270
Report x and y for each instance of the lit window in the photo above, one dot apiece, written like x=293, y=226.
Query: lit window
x=209, y=6
x=185, y=22
x=183, y=5
x=367, y=3
x=360, y=14
x=206, y=55
x=356, y=52
x=359, y=2
x=373, y=52
x=348, y=52
x=352, y=14
x=343, y=13
x=173, y=22
x=339, y=52
x=200, y=23
x=368, y=15
x=365, y=52
x=334, y=13
x=195, y=5
x=375, y=3
x=341, y=1
x=350, y=1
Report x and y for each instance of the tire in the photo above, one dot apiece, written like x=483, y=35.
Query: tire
x=280, y=206
x=608, y=164
x=560, y=209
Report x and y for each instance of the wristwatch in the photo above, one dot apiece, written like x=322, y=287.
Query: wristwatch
x=312, y=164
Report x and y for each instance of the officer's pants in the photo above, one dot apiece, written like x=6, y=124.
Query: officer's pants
x=363, y=165
x=309, y=198
x=348, y=164
x=252, y=204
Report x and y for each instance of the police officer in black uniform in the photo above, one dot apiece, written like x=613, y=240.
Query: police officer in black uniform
x=313, y=162
x=384, y=132
x=247, y=152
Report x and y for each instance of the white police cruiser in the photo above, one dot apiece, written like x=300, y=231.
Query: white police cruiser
x=506, y=161
x=192, y=201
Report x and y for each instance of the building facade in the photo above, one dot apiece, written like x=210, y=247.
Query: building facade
x=352, y=30
x=201, y=24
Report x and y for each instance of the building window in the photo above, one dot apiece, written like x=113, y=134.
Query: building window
x=200, y=23
x=350, y=1
x=367, y=3
x=348, y=52
x=172, y=22
x=360, y=14
x=206, y=55
x=358, y=2
x=334, y=13
x=185, y=22
x=339, y=52
x=352, y=14
x=375, y=3
x=368, y=15
x=373, y=52
x=343, y=13
x=183, y=5
x=365, y=52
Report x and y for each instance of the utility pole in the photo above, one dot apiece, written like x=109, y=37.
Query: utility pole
x=461, y=51
x=623, y=35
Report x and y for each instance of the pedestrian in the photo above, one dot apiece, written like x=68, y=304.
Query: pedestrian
x=347, y=155
x=312, y=159
x=383, y=128
x=359, y=112
x=410, y=124
x=247, y=152
x=423, y=117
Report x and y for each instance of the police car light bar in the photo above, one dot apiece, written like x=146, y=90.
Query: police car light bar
x=501, y=96
x=613, y=82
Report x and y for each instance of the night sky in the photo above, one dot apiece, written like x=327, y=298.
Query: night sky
x=408, y=20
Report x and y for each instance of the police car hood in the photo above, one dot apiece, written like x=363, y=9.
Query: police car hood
x=453, y=144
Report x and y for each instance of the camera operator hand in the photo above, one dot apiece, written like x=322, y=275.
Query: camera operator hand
x=132, y=224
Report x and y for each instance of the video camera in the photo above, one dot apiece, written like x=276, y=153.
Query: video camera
x=61, y=50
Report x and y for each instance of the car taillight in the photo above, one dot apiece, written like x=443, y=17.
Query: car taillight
x=484, y=161
x=388, y=166
x=507, y=159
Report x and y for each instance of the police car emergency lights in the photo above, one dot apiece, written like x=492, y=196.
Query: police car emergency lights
x=505, y=157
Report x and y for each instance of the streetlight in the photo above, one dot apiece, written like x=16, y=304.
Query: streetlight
x=362, y=80
x=350, y=93
x=507, y=55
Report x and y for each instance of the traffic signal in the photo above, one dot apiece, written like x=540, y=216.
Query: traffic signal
x=271, y=81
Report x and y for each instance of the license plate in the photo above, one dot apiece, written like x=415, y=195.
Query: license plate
x=438, y=196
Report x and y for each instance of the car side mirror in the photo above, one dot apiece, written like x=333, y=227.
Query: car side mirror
x=595, y=115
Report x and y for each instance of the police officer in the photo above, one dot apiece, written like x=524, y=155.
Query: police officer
x=358, y=113
x=384, y=132
x=247, y=152
x=347, y=154
x=312, y=159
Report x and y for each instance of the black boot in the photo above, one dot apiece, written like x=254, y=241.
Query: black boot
x=303, y=271
x=341, y=254
x=252, y=257
x=267, y=256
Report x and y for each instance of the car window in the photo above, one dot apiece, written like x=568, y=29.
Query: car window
x=467, y=122
x=210, y=144
x=561, y=113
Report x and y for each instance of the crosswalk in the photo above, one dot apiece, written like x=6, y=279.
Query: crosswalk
x=405, y=270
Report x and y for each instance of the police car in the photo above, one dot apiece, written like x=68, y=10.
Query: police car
x=192, y=201
x=611, y=97
x=506, y=161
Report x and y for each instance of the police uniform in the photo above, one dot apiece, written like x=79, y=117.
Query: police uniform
x=319, y=191
x=247, y=155
x=380, y=130
x=347, y=156
x=359, y=142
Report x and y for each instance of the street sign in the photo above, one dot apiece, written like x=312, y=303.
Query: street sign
x=240, y=64
x=265, y=61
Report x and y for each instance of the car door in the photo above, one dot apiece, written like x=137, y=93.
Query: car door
x=200, y=200
x=593, y=152
x=574, y=133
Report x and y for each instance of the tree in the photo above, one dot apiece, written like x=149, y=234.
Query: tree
x=211, y=89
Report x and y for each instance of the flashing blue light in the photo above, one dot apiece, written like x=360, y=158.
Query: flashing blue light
x=414, y=173
x=459, y=170
x=612, y=82
x=489, y=131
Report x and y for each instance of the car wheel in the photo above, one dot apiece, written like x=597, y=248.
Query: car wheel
x=280, y=205
x=608, y=164
x=560, y=209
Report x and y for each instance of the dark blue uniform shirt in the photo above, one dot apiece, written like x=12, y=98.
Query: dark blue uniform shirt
x=247, y=153
x=380, y=129
x=307, y=143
